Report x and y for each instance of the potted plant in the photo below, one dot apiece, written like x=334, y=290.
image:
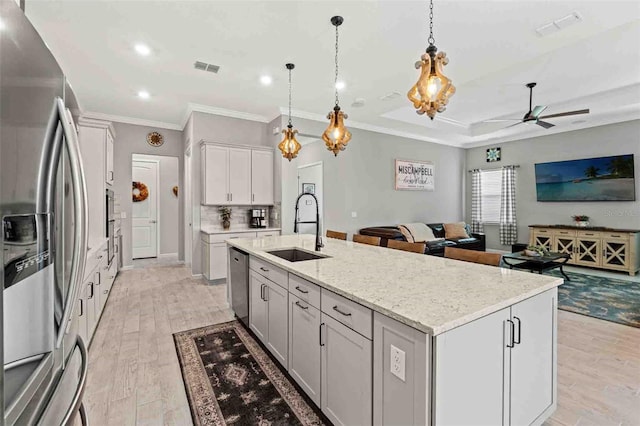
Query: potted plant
x=581, y=220
x=225, y=216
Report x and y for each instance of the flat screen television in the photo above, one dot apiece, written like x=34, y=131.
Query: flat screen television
x=590, y=179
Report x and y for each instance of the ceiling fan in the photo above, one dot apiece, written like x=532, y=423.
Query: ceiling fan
x=534, y=113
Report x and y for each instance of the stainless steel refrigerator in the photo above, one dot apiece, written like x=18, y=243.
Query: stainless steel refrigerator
x=43, y=241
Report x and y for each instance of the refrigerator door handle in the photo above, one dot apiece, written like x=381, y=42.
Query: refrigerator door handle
x=79, y=252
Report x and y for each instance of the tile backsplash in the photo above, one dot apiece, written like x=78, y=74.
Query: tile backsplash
x=210, y=217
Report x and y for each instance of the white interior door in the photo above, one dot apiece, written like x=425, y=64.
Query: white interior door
x=188, y=218
x=144, y=214
x=310, y=179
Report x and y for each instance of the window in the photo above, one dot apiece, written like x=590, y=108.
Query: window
x=490, y=190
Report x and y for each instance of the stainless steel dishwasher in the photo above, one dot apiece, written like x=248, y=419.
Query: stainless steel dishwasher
x=239, y=281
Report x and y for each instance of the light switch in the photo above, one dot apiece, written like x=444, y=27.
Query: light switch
x=123, y=215
x=354, y=214
x=397, y=363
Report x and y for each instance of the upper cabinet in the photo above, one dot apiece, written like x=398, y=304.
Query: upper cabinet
x=236, y=176
x=262, y=177
x=96, y=148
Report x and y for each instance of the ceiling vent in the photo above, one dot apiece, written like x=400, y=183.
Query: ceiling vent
x=358, y=102
x=203, y=66
x=559, y=24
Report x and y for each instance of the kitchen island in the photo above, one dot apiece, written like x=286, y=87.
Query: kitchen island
x=379, y=336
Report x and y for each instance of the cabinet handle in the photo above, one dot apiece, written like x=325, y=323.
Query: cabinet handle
x=300, y=306
x=615, y=236
x=91, y=285
x=81, y=308
x=262, y=268
x=99, y=276
x=346, y=314
x=106, y=291
x=111, y=174
x=517, y=342
x=236, y=259
x=266, y=291
x=512, y=328
x=262, y=292
x=301, y=290
x=231, y=197
x=320, y=335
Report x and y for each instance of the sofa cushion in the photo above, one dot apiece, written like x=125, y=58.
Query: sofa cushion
x=417, y=232
x=455, y=230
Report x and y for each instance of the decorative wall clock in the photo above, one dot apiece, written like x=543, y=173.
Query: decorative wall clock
x=493, y=154
x=155, y=139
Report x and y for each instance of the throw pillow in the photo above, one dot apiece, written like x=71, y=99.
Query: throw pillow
x=455, y=230
x=417, y=232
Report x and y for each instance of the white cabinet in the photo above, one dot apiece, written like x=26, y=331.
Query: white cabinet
x=215, y=253
x=215, y=175
x=268, y=315
x=109, y=160
x=236, y=176
x=304, y=349
x=257, y=306
x=262, y=177
x=346, y=374
x=500, y=368
x=91, y=305
x=96, y=148
x=277, y=299
x=82, y=314
x=239, y=176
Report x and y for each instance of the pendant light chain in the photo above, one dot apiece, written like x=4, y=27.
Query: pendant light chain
x=335, y=83
x=290, y=98
x=431, y=39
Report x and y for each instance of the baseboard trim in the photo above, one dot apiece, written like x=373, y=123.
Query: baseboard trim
x=167, y=255
x=196, y=275
x=126, y=268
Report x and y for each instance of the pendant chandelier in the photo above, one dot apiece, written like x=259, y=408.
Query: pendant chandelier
x=336, y=137
x=289, y=145
x=433, y=89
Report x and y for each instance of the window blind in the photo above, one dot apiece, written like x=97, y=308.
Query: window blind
x=491, y=184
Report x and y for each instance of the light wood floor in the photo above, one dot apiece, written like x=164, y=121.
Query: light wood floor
x=134, y=376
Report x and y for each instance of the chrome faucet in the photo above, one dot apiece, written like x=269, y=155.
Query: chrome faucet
x=317, y=221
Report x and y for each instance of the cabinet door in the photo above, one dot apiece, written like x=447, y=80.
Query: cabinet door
x=615, y=254
x=109, y=159
x=278, y=322
x=588, y=251
x=257, y=307
x=215, y=175
x=82, y=314
x=544, y=238
x=304, y=347
x=262, y=177
x=565, y=244
x=346, y=374
x=218, y=255
x=91, y=307
x=532, y=357
x=470, y=372
x=239, y=176
x=206, y=259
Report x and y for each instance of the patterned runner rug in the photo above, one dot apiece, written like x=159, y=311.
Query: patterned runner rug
x=230, y=380
x=600, y=297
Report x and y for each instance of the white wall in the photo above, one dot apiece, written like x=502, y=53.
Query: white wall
x=361, y=179
x=613, y=139
x=169, y=206
x=132, y=139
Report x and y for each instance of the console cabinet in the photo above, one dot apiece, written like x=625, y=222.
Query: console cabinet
x=604, y=248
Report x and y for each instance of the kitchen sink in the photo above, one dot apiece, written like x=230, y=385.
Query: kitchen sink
x=296, y=255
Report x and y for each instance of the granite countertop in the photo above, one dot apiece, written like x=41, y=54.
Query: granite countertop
x=211, y=230
x=429, y=293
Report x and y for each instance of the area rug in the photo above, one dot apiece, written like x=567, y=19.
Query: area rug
x=600, y=297
x=230, y=380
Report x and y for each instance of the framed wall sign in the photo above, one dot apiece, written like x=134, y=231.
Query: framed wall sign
x=309, y=188
x=493, y=154
x=415, y=175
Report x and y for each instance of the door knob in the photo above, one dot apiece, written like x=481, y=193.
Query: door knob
x=152, y=221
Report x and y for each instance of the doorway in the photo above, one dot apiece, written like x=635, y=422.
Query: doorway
x=155, y=207
x=310, y=179
x=188, y=208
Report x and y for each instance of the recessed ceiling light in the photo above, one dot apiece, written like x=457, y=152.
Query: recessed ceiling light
x=142, y=49
x=143, y=94
x=266, y=80
x=340, y=85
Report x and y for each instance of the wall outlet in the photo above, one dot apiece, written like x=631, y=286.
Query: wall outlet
x=123, y=215
x=276, y=130
x=397, y=363
x=354, y=214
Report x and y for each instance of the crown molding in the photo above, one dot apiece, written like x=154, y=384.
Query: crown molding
x=192, y=107
x=131, y=120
